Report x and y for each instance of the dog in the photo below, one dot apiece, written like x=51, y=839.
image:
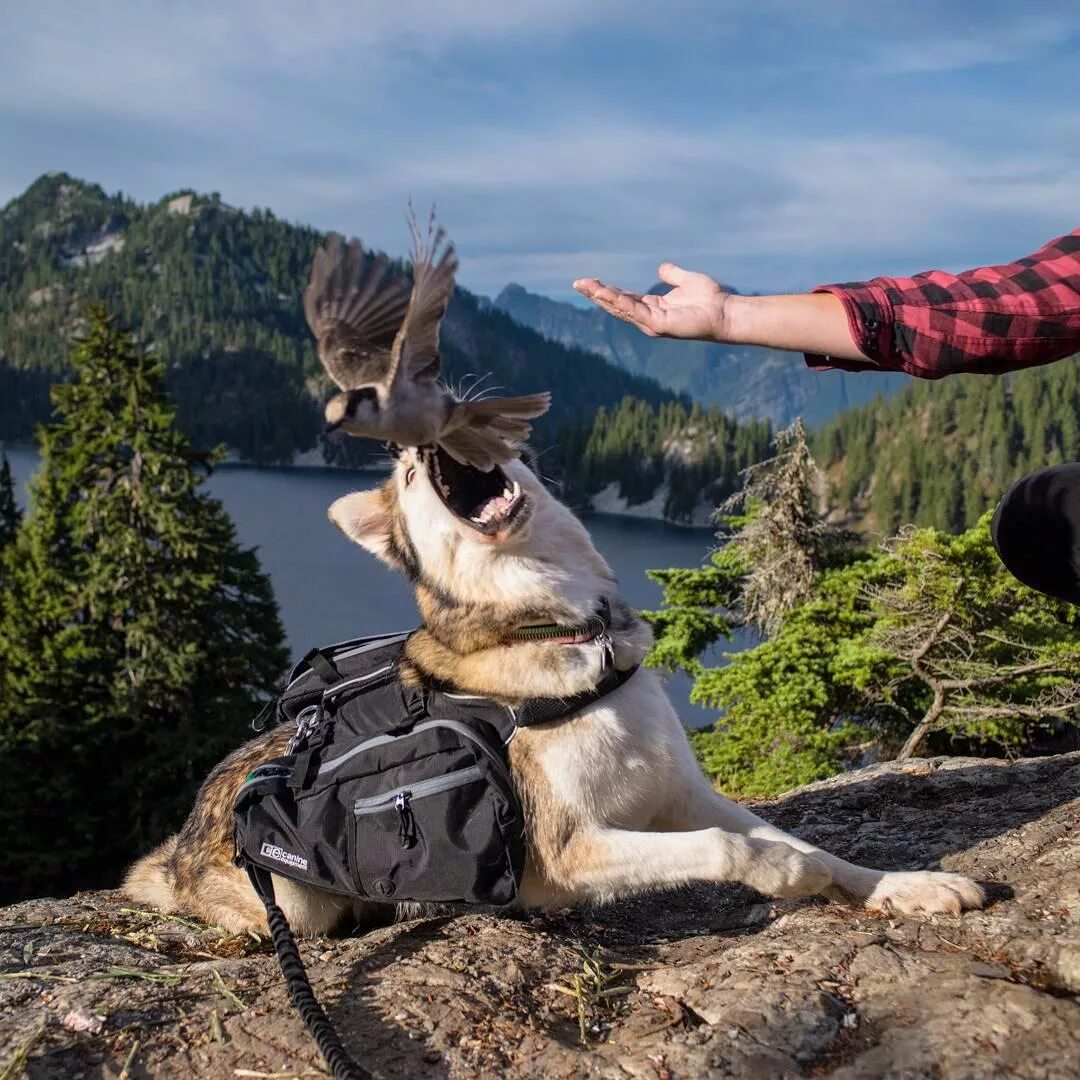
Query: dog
x=614, y=801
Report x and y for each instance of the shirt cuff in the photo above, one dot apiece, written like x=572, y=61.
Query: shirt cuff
x=870, y=321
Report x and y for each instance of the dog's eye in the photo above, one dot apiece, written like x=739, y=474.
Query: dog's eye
x=409, y=476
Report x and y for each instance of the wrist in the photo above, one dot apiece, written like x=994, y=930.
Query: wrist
x=733, y=319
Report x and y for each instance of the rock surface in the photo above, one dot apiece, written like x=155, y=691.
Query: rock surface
x=707, y=982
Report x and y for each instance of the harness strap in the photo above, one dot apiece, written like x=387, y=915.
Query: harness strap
x=342, y=1066
x=541, y=710
x=318, y=661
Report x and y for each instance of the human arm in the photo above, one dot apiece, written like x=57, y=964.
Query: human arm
x=698, y=307
x=989, y=320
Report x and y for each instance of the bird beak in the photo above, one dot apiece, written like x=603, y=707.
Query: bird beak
x=331, y=428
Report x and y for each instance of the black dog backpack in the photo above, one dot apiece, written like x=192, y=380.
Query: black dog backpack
x=387, y=793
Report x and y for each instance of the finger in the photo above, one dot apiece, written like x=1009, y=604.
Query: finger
x=593, y=287
x=672, y=274
x=600, y=293
x=633, y=320
x=630, y=308
x=587, y=285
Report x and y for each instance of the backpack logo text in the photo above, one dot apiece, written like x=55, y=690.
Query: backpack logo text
x=272, y=851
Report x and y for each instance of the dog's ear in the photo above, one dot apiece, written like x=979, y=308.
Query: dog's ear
x=364, y=517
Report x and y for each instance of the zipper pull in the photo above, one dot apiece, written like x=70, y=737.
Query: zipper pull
x=407, y=824
x=607, y=650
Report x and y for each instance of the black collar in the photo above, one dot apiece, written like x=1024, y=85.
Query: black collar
x=541, y=710
x=594, y=626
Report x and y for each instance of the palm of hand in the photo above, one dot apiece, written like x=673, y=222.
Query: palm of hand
x=687, y=311
x=692, y=309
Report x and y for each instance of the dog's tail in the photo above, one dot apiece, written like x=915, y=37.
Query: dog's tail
x=150, y=881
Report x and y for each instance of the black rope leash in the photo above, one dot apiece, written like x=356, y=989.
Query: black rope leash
x=342, y=1066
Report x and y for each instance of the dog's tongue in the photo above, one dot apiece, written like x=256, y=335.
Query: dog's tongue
x=496, y=507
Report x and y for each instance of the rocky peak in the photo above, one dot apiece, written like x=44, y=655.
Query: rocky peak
x=709, y=981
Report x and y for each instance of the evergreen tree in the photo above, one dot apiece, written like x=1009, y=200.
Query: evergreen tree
x=136, y=637
x=964, y=648
x=783, y=541
x=925, y=642
x=697, y=453
x=10, y=515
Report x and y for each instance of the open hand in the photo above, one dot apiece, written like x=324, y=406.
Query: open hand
x=694, y=308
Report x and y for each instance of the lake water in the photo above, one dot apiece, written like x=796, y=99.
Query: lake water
x=328, y=589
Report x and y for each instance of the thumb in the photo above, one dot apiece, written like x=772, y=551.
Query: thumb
x=672, y=274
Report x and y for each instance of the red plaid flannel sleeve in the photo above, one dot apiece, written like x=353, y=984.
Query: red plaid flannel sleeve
x=990, y=320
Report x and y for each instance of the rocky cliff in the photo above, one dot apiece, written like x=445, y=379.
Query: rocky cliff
x=709, y=981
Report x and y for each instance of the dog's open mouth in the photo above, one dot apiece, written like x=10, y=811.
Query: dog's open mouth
x=488, y=501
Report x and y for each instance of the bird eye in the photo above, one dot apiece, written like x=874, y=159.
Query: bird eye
x=410, y=473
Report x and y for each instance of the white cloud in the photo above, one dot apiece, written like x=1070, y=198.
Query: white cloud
x=192, y=63
x=332, y=113
x=544, y=207
x=1020, y=37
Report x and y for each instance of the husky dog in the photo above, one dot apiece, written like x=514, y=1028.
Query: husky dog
x=614, y=801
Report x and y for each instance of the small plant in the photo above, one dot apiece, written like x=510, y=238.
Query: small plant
x=596, y=990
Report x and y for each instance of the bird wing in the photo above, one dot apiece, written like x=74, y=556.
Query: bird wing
x=353, y=302
x=416, y=347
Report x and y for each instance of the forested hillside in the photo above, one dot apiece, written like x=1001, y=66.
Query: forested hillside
x=217, y=293
x=747, y=382
x=688, y=460
x=941, y=453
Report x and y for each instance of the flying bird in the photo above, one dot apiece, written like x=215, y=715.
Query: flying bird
x=379, y=341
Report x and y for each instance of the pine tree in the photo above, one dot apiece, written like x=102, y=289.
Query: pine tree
x=783, y=541
x=966, y=648
x=137, y=637
x=10, y=515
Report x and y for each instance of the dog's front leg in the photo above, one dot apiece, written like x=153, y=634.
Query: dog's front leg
x=601, y=864
x=698, y=806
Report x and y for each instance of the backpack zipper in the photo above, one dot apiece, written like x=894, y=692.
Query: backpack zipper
x=407, y=825
x=372, y=804
x=356, y=680
x=462, y=729
x=402, y=799
x=350, y=647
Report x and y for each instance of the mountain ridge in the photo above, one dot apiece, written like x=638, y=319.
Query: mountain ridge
x=218, y=291
x=747, y=382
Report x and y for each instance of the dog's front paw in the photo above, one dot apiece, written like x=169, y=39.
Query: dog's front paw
x=924, y=891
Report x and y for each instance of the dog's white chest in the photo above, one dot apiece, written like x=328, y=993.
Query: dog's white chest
x=607, y=764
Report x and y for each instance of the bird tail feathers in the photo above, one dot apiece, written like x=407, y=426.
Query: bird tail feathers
x=491, y=432
x=487, y=410
x=481, y=448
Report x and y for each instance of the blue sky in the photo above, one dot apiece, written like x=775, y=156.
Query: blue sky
x=775, y=145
